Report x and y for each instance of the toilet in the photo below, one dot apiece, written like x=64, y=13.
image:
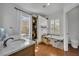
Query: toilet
x=74, y=43
x=74, y=40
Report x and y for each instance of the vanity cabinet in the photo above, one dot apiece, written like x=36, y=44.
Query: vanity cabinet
x=28, y=51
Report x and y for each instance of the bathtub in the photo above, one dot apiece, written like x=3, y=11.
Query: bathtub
x=14, y=46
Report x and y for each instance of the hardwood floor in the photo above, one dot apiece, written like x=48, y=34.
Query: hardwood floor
x=48, y=50
x=72, y=51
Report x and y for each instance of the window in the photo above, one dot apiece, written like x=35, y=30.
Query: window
x=25, y=25
x=55, y=26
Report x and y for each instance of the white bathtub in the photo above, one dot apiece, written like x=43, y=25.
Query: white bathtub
x=14, y=46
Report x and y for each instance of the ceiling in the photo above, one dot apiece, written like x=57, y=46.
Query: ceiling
x=40, y=8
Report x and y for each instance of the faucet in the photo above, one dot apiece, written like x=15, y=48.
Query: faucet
x=5, y=42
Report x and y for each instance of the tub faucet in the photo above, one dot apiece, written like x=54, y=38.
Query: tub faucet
x=5, y=42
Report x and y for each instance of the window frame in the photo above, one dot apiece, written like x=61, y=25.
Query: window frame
x=54, y=24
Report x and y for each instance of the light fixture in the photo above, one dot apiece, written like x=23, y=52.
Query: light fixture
x=46, y=5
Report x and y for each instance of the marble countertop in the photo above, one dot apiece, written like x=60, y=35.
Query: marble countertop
x=55, y=37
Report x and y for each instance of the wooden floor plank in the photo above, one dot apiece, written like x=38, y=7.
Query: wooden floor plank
x=48, y=50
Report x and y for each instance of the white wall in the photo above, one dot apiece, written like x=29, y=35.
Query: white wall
x=9, y=17
x=1, y=14
x=73, y=24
